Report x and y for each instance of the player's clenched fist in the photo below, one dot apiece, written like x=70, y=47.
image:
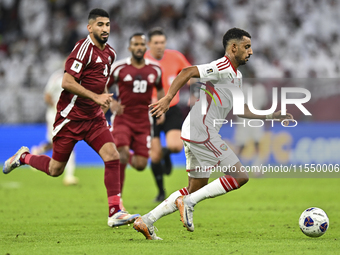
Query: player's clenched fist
x=103, y=99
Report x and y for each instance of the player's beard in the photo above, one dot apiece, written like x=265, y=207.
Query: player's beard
x=99, y=39
x=138, y=57
x=240, y=61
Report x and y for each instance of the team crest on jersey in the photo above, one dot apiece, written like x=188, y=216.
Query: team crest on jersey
x=151, y=78
x=209, y=70
x=109, y=58
x=224, y=147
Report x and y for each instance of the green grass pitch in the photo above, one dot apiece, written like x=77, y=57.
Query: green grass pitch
x=38, y=215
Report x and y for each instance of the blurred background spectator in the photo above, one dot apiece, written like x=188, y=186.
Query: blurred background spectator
x=290, y=38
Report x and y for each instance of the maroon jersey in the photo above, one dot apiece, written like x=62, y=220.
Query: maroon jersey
x=91, y=68
x=135, y=87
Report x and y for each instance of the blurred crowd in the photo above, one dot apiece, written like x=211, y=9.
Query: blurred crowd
x=290, y=39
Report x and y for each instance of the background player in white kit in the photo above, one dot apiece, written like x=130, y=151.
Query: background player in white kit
x=51, y=96
x=204, y=147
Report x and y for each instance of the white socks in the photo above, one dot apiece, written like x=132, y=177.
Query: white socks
x=166, y=207
x=216, y=188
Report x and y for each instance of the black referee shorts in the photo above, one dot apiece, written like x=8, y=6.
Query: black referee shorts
x=173, y=120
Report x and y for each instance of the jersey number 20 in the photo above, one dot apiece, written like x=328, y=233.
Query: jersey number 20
x=139, y=86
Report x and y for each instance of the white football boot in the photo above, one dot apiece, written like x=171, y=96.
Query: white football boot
x=121, y=218
x=14, y=161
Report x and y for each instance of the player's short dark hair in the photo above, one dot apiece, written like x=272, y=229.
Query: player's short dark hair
x=136, y=34
x=95, y=13
x=156, y=31
x=234, y=33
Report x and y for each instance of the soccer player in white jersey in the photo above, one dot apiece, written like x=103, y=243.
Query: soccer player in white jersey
x=204, y=147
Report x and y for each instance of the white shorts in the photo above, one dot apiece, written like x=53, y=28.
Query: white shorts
x=202, y=157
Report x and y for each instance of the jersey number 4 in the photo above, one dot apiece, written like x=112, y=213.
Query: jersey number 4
x=139, y=86
x=106, y=71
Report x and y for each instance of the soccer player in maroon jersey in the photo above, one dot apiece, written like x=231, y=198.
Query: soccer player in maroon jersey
x=135, y=78
x=80, y=115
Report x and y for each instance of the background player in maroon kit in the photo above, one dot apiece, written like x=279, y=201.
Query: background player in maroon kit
x=80, y=115
x=135, y=78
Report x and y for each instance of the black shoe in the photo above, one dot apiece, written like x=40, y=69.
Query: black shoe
x=160, y=198
x=167, y=161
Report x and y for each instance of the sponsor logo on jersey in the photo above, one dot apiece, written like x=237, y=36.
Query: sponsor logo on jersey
x=151, y=77
x=99, y=60
x=76, y=66
x=224, y=147
x=127, y=78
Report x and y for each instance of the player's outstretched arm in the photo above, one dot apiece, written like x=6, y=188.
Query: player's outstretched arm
x=276, y=115
x=70, y=84
x=160, y=93
x=162, y=106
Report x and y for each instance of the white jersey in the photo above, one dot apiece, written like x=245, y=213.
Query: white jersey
x=54, y=89
x=200, y=125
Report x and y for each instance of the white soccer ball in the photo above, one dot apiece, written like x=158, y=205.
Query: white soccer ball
x=313, y=222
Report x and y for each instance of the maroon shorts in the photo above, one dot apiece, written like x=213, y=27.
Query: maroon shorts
x=136, y=136
x=94, y=132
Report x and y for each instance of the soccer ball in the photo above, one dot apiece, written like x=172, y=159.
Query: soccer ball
x=313, y=222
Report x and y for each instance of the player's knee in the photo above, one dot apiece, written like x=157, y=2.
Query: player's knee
x=109, y=152
x=156, y=157
x=243, y=179
x=175, y=147
x=140, y=167
x=55, y=171
x=140, y=164
x=124, y=157
x=111, y=155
